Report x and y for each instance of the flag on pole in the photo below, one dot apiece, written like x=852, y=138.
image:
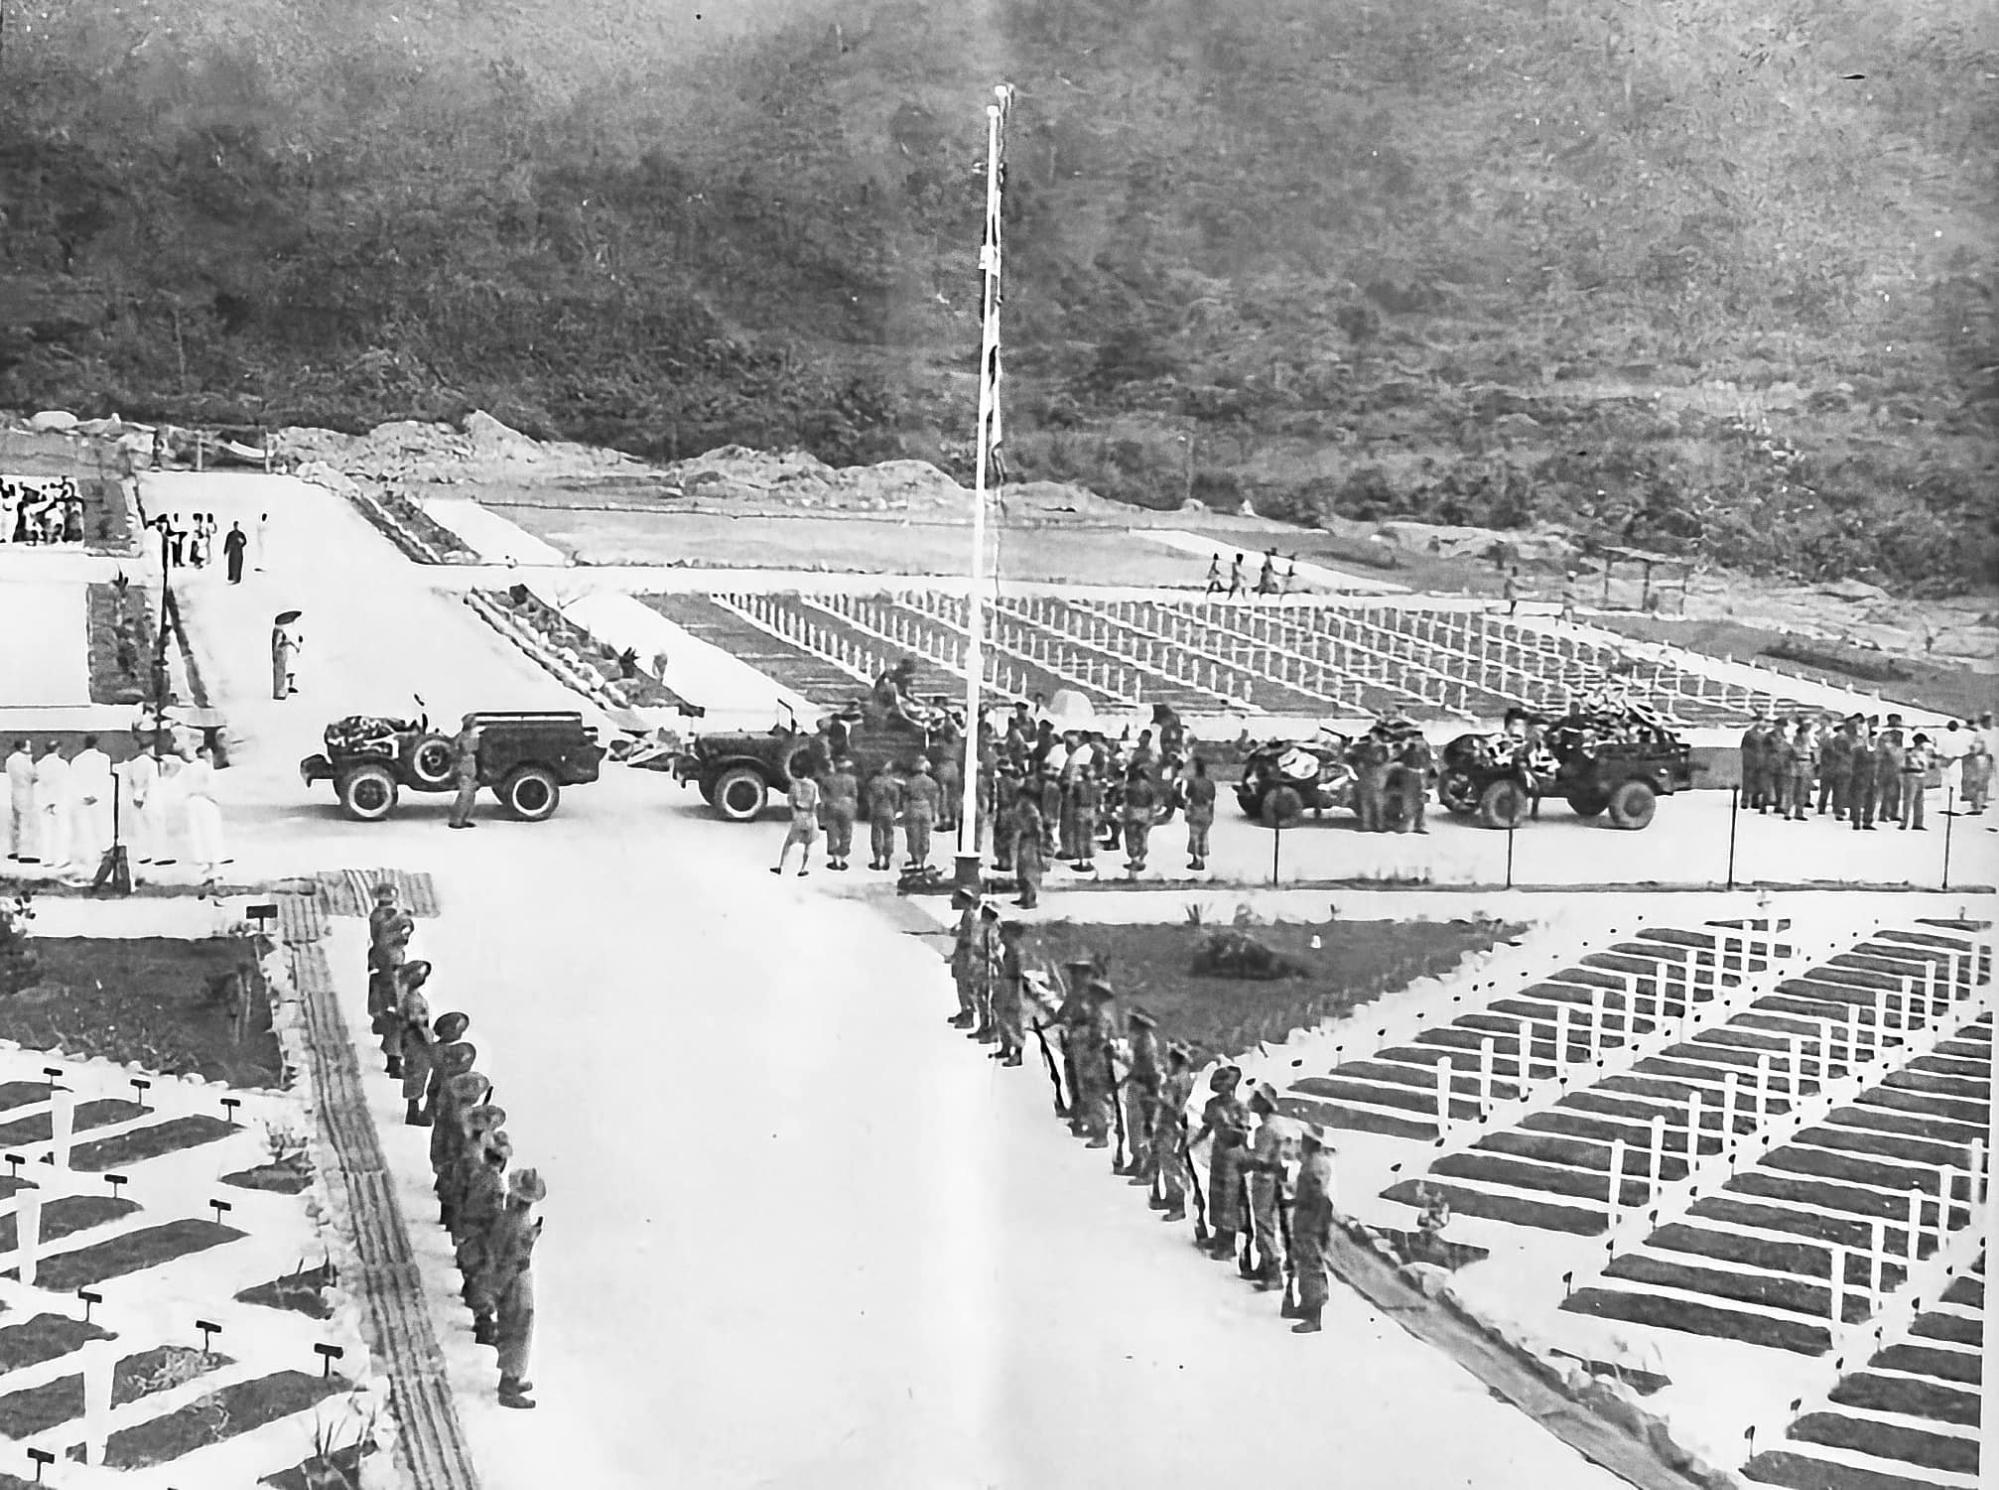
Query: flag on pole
x=991, y=436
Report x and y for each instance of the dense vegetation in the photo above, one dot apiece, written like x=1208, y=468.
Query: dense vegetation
x=1707, y=275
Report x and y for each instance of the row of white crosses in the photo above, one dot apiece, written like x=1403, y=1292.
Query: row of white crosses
x=1302, y=641
x=1907, y=1023
x=1053, y=654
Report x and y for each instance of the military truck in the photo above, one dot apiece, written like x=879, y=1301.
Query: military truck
x=525, y=759
x=1321, y=770
x=1610, y=759
x=737, y=771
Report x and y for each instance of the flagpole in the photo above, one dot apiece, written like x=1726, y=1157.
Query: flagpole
x=969, y=872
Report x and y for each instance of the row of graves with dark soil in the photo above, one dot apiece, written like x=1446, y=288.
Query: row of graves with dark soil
x=1736, y=1166
x=170, y=1310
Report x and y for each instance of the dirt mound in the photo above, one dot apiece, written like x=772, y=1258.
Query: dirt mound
x=483, y=449
x=796, y=480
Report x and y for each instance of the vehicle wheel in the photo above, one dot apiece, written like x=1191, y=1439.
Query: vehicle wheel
x=530, y=794
x=740, y=793
x=368, y=793
x=1503, y=805
x=433, y=761
x=1632, y=805
x=1589, y=804
x=1456, y=792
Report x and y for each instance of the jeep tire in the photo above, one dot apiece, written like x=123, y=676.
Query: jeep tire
x=1458, y=793
x=740, y=794
x=1632, y=805
x=1589, y=801
x=1503, y=804
x=530, y=793
x=367, y=793
x=433, y=761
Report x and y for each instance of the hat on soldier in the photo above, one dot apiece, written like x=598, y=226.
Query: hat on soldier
x=1263, y=1091
x=415, y=1010
x=499, y=1147
x=450, y=1026
x=964, y=897
x=414, y=974
x=923, y=763
x=1099, y=988
x=527, y=1185
x=386, y=891
x=1080, y=969
x=1224, y=1076
x=1316, y=1135
x=467, y=1086
x=486, y=1116
x=1894, y=718
x=457, y=1056
x=1139, y=1014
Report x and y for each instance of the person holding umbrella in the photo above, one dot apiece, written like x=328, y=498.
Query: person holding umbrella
x=284, y=646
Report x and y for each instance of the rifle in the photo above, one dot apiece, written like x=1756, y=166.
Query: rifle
x=1290, y=1256
x=1048, y=1059
x=1194, y=1184
x=1118, y=1158
x=1249, y=1242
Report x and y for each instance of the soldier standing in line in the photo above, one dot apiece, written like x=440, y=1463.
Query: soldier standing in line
x=1977, y=773
x=1003, y=788
x=1141, y=1088
x=950, y=792
x=839, y=803
x=1804, y=758
x=448, y=1030
x=1049, y=800
x=919, y=813
x=1780, y=755
x=1312, y=1217
x=506, y=1282
x=465, y=774
x=1370, y=782
x=964, y=952
x=1003, y=942
x=417, y=1050
x=410, y=978
x=988, y=962
x=1267, y=1165
x=476, y=1127
x=1412, y=788
x=1089, y=795
x=481, y=1194
x=1860, y=778
x=462, y=1089
x=884, y=802
x=1097, y=1084
x=1889, y=754
x=1755, y=741
x=1169, y=1132
x=1915, y=784
x=1225, y=1120
x=1070, y=1017
x=387, y=951
x=1028, y=864
x=1139, y=809
x=1835, y=745
x=1197, y=798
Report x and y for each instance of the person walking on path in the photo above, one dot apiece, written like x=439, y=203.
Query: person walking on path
x=233, y=545
x=1312, y=1215
x=506, y=1281
x=1197, y=799
x=21, y=823
x=839, y=804
x=1511, y=591
x=284, y=647
x=1215, y=585
x=204, y=817
x=1235, y=576
x=884, y=802
x=803, y=797
x=259, y=546
x=52, y=798
x=1266, y=577
x=465, y=773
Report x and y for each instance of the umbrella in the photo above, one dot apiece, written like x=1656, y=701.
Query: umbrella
x=285, y=617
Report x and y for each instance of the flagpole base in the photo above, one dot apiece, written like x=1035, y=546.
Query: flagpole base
x=969, y=874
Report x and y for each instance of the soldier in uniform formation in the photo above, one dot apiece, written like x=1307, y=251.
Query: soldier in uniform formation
x=1269, y=1203
x=1862, y=770
x=489, y=1213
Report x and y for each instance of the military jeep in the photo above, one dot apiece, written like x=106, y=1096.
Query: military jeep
x=1321, y=770
x=737, y=771
x=1613, y=760
x=525, y=758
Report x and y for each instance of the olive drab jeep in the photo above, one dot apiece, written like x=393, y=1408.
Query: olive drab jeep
x=1614, y=759
x=525, y=758
x=737, y=772
x=1322, y=770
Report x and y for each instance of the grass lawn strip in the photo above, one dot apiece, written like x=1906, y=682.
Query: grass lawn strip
x=1888, y=1120
x=283, y=1179
x=1566, y=1123
x=44, y=1338
x=133, y=1252
x=67, y=1216
x=1910, y=1150
x=26, y=1413
x=1970, y=1292
x=1837, y=1164
x=1799, y=1472
x=1954, y=1328
x=218, y=1417
x=1355, y=1119
x=1772, y=1255
x=149, y=1143
x=1889, y=1441
x=1522, y=1175
x=143, y=1001
x=303, y=1292
x=1847, y=1231
x=40, y=1128
x=1914, y=1399
x=1579, y=1154
x=22, y=1093
x=1355, y=964
x=1764, y=1290
x=1510, y=1209
x=1827, y=1197
x=1930, y=1360
x=1699, y=1319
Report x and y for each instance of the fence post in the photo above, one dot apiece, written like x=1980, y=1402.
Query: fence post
x=1838, y=1282
x=1734, y=807
x=1444, y=1074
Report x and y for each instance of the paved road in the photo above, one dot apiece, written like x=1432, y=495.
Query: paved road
x=799, y=1233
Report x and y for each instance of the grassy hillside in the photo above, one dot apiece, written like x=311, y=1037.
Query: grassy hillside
x=1701, y=276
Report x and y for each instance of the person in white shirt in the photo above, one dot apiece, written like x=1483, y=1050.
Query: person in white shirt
x=90, y=788
x=1950, y=745
x=258, y=538
x=52, y=799
x=204, y=818
x=163, y=801
x=21, y=846
x=135, y=786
